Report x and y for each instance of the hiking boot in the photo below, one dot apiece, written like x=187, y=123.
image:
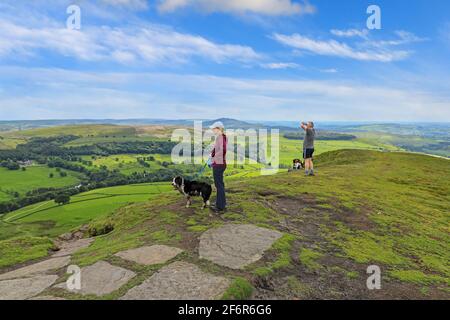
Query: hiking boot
x=216, y=210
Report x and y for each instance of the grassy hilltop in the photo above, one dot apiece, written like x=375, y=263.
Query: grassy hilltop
x=363, y=208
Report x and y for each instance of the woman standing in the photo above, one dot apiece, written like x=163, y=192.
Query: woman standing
x=219, y=165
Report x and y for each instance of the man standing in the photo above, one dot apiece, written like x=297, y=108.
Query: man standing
x=308, y=146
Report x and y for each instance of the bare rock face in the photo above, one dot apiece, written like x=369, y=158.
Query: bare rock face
x=236, y=246
x=69, y=248
x=150, y=255
x=179, y=281
x=37, y=269
x=101, y=278
x=22, y=289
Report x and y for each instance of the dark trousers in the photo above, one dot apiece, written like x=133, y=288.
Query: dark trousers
x=221, y=201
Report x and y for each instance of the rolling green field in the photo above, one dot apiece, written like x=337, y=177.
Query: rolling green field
x=77, y=130
x=10, y=142
x=34, y=177
x=127, y=163
x=290, y=149
x=49, y=219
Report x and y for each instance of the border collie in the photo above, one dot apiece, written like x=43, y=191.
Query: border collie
x=297, y=164
x=193, y=189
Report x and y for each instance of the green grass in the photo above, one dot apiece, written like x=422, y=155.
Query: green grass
x=21, y=249
x=282, y=250
x=418, y=277
x=240, y=289
x=309, y=257
x=76, y=130
x=389, y=208
x=34, y=177
x=127, y=164
x=7, y=143
x=49, y=219
x=384, y=208
x=290, y=149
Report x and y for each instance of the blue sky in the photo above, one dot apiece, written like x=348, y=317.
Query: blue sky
x=246, y=59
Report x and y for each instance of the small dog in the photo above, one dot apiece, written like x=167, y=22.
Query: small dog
x=193, y=189
x=297, y=164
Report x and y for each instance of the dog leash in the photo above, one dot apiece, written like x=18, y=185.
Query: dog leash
x=207, y=163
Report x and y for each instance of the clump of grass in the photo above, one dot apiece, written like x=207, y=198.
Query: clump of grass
x=366, y=247
x=168, y=217
x=198, y=228
x=99, y=228
x=352, y=274
x=262, y=271
x=160, y=236
x=297, y=288
x=309, y=257
x=240, y=289
x=282, y=247
x=417, y=277
x=18, y=250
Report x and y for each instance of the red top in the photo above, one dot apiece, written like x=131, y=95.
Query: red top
x=219, y=153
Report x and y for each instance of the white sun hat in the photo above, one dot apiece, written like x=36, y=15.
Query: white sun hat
x=217, y=124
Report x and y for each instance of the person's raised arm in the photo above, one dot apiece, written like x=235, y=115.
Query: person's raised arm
x=303, y=126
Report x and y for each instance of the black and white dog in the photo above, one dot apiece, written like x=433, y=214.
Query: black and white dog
x=193, y=189
x=297, y=164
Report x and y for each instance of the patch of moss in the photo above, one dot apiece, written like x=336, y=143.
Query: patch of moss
x=366, y=247
x=22, y=249
x=240, y=289
x=168, y=217
x=352, y=274
x=198, y=228
x=297, y=288
x=417, y=277
x=309, y=257
x=283, y=248
x=262, y=271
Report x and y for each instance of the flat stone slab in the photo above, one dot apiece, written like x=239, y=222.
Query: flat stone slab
x=150, y=255
x=101, y=278
x=179, y=281
x=46, y=298
x=37, y=268
x=236, y=245
x=22, y=289
x=70, y=247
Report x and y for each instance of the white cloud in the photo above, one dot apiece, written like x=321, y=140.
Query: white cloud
x=331, y=70
x=56, y=93
x=349, y=33
x=339, y=49
x=132, y=4
x=265, y=7
x=403, y=38
x=148, y=44
x=280, y=65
